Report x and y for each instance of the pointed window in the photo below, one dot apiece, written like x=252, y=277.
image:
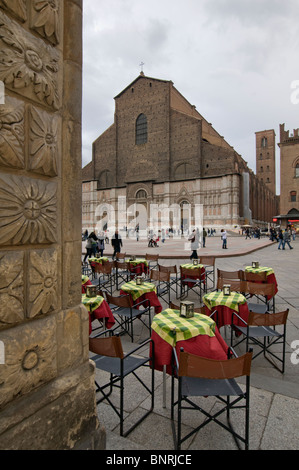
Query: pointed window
x=141, y=129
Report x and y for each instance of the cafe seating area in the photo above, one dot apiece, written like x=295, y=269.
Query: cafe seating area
x=196, y=322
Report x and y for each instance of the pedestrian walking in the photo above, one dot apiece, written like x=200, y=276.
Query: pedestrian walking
x=204, y=235
x=101, y=244
x=194, y=244
x=224, y=239
x=117, y=243
x=286, y=239
x=280, y=240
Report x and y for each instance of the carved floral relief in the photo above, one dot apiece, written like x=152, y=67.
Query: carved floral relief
x=18, y=7
x=27, y=63
x=12, y=133
x=27, y=210
x=11, y=288
x=42, y=282
x=45, y=19
x=30, y=358
x=43, y=142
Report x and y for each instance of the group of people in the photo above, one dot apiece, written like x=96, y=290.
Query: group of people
x=284, y=238
x=96, y=245
x=195, y=241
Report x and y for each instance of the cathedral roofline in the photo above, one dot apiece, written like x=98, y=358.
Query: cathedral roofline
x=142, y=76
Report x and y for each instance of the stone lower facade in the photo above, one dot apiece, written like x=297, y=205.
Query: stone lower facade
x=47, y=392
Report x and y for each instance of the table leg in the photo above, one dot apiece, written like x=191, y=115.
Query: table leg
x=164, y=386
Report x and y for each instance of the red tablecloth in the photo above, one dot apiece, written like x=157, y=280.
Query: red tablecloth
x=271, y=279
x=103, y=311
x=202, y=276
x=151, y=297
x=224, y=315
x=87, y=283
x=202, y=345
x=138, y=269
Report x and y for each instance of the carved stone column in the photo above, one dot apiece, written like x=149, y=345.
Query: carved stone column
x=47, y=398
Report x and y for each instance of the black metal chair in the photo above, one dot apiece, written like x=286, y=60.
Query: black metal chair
x=105, y=279
x=174, y=278
x=202, y=377
x=261, y=330
x=126, y=313
x=236, y=285
x=191, y=279
x=152, y=261
x=260, y=297
x=111, y=358
x=123, y=273
x=162, y=282
x=209, y=264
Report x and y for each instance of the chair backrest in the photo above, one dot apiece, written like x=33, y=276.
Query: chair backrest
x=196, y=309
x=151, y=257
x=109, y=346
x=169, y=269
x=254, y=288
x=104, y=268
x=122, y=265
x=190, y=272
x=230, y=274
x=160, y=276
x=120, y=256
x=236, y=285
x=119, y=301
x=268, y=319
x=255, y=277
x=207, y=260
x=202, y=367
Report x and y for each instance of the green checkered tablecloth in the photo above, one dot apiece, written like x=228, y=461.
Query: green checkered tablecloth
x=84, y=279
x=92, y=303
x=214, y=299
x=192, y=266
x=135, y=262
x=137, y=291
x=98, y=260
x=172, y=328
x=261, y=269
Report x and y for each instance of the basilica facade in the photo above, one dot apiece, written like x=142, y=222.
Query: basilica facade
x=162, y=164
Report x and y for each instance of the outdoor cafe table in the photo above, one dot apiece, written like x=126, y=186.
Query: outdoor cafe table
x=98, y=309
x=198, y=335
x=271, y=278
x=224, y=306
x=145, y=291
x=138, y=266
x=85, y=282
x=194, y=267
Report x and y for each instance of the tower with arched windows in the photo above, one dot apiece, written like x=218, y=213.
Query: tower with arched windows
x=289, y=176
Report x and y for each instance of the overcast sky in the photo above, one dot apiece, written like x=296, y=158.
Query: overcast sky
x=237, y=61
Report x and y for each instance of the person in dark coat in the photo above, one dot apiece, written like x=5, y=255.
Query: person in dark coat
x=116, y=243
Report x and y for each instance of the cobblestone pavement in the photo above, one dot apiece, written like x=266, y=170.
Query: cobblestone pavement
x=274, y=406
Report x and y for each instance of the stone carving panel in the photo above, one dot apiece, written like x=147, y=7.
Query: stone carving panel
x=27, y=210
x=11, y=288
x=27, y=64
x=17, y=7
x=45, y=19
x=43, y=142
x=30, y=358
x=12, y=133
x=42, y=282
